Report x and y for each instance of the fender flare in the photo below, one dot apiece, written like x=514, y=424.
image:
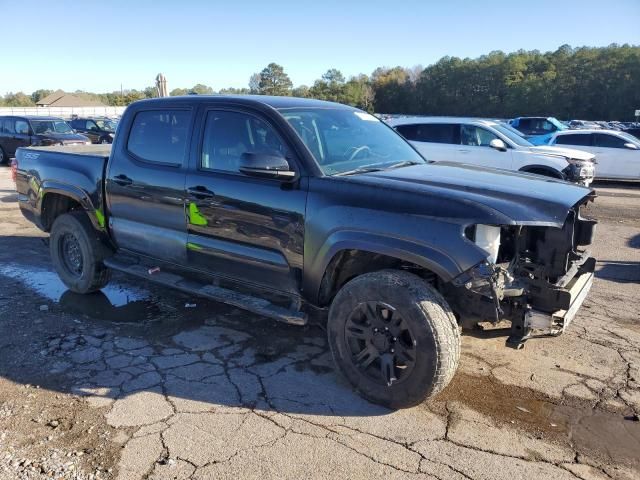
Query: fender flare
x=71, y=191
x=545, y=168
x=426, y=256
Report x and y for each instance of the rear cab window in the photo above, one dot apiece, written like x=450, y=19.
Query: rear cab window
x=160, y=136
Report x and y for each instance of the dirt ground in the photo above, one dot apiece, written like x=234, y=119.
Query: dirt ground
x=143, y=382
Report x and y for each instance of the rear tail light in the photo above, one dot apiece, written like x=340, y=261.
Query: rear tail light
x=14, y=170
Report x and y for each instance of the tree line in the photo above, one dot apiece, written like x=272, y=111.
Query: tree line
x=583, y=83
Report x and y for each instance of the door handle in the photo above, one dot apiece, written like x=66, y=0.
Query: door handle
x=464, y=151
x=200, y=192
x=122, y=180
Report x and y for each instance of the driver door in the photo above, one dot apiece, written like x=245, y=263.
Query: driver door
x=246, y=228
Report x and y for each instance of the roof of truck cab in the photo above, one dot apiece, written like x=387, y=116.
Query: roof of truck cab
x=272, y=101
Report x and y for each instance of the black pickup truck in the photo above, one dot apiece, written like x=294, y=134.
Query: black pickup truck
x=299, y=209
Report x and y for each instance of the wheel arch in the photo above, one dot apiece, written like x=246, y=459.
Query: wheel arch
x=349, y=254
x=56, y=199
x=545, y=170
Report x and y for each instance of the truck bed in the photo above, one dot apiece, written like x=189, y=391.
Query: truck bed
x=92, y=150
x=74, y=172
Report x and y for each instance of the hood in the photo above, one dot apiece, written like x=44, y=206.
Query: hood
x=565, y=152
x=65, y=137
x=469, y=194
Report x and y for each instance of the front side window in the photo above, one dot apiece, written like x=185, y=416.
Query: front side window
x=45, y=127
x=473, y=136
x=106, y=125
x=342, y=140
x=22, y=127
x=230, y=134
x=90, y=125
x=581, y=139
x=609, y=141
x=160, y=136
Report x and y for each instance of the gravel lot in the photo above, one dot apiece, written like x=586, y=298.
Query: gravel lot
x=137, y=382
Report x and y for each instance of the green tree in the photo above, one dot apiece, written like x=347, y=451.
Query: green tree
x=274, y=81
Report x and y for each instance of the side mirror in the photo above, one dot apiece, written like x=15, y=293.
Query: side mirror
x=631, y=146
x=266, y=165
x=498, y=145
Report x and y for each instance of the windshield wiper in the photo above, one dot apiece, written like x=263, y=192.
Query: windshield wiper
x=376, y=167
x=405, y=163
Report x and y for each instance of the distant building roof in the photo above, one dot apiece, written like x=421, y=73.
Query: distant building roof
x=62, y=99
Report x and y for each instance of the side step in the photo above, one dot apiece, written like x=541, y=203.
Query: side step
x=246, y=302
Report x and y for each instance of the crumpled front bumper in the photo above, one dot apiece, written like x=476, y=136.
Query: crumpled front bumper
x=557, y=322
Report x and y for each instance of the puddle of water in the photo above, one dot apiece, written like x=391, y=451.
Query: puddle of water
x=49, y=285
x=607, y=435
x=115, y=302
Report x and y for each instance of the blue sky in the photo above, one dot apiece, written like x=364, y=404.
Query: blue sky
x=97, y=45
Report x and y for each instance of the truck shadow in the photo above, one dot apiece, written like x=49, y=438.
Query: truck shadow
x=137, y=337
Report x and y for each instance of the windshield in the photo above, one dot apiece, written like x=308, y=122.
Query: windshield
x=344, y=140
x=559, y=125
x=106, y=125
x=630, y=138
x=41, y=127
x=512, y=134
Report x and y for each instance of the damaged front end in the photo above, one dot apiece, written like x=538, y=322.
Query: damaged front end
x=536, y=277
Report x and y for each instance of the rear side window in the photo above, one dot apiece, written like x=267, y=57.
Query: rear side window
x=7, y=126
x=609, y=141
x=436, y=133
x=408, y=131
x=583, y=139
x=160, y=136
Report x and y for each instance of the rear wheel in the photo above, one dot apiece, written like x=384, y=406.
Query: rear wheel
x=394, y=338
x=77, y=253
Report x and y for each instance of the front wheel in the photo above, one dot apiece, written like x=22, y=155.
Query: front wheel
x=394, y=338
x=77, y=253
x=4, y=158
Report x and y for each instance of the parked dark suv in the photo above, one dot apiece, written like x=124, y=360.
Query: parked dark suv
x=98, y=129
x=25, y=131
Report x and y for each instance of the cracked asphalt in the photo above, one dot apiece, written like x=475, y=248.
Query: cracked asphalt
x=143, y=382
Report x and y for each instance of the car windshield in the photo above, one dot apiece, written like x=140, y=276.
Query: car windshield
x=106, y=125
x=559, y=125
x=347, y=141
x=512, y=134
x=630, y=138
x=50, y=126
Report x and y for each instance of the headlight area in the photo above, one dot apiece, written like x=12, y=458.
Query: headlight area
x=579, y=171
x=534, y=277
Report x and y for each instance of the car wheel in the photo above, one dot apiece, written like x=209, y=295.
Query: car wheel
x=4, y=158
x=394, y=338
x=77, y=253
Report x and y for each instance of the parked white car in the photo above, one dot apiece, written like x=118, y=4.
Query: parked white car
x=490, y=143
x=617, y=153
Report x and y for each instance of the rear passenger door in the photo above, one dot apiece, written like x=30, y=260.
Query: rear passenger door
x=241, y=227
x=437, y=142
x=145, y=183
x=475, y=149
